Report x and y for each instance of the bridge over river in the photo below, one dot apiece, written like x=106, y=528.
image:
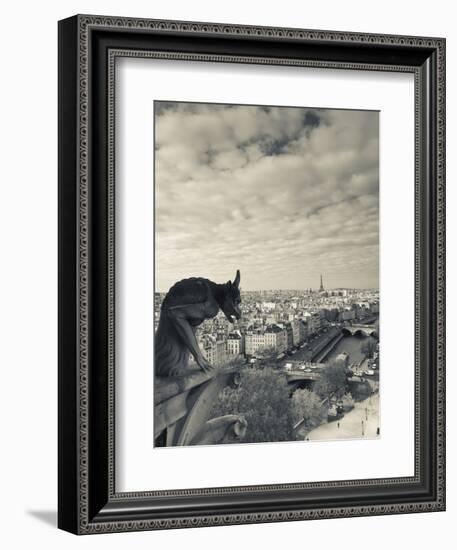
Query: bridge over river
x=299, y=375
x=366, y=330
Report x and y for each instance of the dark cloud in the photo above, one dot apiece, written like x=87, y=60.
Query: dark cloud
x=311, y=118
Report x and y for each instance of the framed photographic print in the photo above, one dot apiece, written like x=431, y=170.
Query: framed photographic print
x=251, y=274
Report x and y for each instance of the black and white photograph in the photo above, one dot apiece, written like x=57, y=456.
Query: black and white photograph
x=214, y=213
x=266, y=254
x=216, y=219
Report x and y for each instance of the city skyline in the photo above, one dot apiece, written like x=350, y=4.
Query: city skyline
x=302, y=289
x=288, y=289
x=284, y=194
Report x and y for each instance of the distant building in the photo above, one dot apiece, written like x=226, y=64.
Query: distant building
x=374, y=307
x=303, y=330
x=235, y=344
x=314, y=322
x=289, y=336
x=215, y=350
x=273, y=337
x=347, y=315
x=293, y=333
x=254, y=341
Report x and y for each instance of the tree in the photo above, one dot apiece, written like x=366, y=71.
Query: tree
x=368, y=347
x=331, y=314
x=234, y=362
x=307, y=406
x=331, y=382
x=360, y=390
x=263, y=400
x=347, y=402
x=376, y=328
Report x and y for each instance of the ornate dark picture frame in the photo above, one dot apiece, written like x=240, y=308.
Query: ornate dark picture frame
x=88, y=47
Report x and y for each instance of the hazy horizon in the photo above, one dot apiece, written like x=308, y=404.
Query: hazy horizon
x=281, y=193
x=286, y=289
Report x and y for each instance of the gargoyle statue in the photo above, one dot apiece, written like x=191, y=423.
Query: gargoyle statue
x=187, y=304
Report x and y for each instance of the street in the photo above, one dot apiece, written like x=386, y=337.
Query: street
x=360, y=423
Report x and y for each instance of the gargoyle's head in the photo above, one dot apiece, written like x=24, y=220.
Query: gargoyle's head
x=232, y=299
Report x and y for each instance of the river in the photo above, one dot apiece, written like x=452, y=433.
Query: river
x=351, y=345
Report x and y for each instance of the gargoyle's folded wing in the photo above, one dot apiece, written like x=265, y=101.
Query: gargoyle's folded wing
x=187, y=292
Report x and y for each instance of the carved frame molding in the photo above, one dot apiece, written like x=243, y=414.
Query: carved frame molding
x=79, y=457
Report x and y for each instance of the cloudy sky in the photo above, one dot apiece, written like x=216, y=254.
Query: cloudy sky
x=283, y=194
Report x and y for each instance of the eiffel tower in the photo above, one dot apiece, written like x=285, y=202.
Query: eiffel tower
x=322, y=286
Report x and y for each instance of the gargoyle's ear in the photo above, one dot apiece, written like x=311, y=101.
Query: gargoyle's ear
x=236, y=282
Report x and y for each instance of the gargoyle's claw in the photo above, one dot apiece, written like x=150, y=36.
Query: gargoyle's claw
x=206, y=366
